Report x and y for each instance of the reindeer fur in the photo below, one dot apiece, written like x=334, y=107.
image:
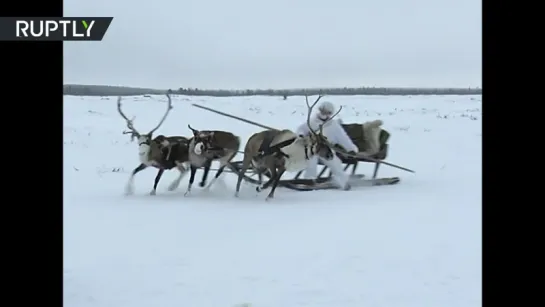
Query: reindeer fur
x=208, y=146
x=366, y=136
x=274, y=158
x=285, y=155
x=151, y=151
x=173, y=155
x=371, y=133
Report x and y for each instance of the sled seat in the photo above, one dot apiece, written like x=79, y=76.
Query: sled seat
x=381, y=155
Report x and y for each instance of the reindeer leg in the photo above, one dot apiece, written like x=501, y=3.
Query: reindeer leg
x=207, y=166
x=129, y=188
x=276, y=181
x=223, y=164
x=269, y=182
x=157, y=178
x=191, y=179
x=174, y=185
x=245, y=164
x=218, y=173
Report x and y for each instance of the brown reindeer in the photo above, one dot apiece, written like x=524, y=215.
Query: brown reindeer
x=207, y=146
x=161, y=152
x=282, y=150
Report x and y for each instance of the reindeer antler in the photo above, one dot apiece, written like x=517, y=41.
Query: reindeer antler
x=309, y=111
x=195, y=131
x=132, y=131
x=310, y=108
x=169, y=107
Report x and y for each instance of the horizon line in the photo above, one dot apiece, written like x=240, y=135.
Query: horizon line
x=283, y=89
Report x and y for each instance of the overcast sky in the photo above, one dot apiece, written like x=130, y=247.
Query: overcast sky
x=279, y=43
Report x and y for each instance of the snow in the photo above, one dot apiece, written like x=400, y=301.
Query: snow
x=414, y=244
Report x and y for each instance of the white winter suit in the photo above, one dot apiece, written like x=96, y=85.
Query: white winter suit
x=335, y=135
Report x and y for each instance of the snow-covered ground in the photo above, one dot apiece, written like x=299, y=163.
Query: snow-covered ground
x=415, y=244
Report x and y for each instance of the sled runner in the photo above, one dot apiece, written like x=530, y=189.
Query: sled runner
x=321, y=183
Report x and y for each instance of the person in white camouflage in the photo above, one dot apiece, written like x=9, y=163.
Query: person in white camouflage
x=335, y=134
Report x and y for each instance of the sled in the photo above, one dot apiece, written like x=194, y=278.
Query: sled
x=348, y=161
x=324, y=182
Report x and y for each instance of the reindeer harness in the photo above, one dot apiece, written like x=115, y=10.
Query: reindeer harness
x=266, y=150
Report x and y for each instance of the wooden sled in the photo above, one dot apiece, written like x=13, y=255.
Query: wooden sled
x=322, y=182
x=381, y=155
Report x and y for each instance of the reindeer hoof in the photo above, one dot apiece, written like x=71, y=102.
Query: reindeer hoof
x=236, y=194
x=153, y=192
x=202, y=184
x=258, y=189
x=187, y=193
x=269, y=197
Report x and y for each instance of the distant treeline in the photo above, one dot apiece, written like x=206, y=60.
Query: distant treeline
x=345, y=91
x=104, y=90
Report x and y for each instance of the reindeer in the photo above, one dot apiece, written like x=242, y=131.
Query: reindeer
x=282, y=150
x=160, y=152
x=207, y=146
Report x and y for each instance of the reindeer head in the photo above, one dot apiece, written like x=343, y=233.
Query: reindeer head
x=202, y=139
x=143, y=139
x=320, y=147
x=319, y=143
